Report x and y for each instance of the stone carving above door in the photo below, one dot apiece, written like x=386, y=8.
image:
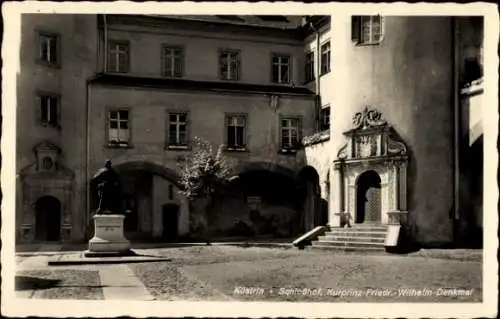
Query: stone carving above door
x=370, y=137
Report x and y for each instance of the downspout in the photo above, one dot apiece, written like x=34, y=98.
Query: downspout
x=456, y=119
x=105, y=49
x=317, y=75
x=86, y=180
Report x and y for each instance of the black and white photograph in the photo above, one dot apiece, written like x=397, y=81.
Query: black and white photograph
x=275, y=159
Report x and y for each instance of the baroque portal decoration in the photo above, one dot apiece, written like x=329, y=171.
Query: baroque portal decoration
x=371, y=145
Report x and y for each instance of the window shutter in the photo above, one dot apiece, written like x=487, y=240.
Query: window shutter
x=299, y=131
x=355, y=28
x=226, y=128
x=38, y=108
x=58, y=112
x=187, y=129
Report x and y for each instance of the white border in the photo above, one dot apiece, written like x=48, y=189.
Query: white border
x=17, y=307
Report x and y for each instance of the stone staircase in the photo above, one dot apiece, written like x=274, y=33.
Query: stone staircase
x=357, y=238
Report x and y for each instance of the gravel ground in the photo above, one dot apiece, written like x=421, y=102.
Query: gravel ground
x=60, y=284
x=219, y=273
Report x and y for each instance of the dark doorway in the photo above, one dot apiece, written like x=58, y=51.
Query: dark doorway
x=170, y=217
x=368, y=207
x=47, y=219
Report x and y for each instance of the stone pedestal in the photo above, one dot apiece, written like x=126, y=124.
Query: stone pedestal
x=108, y=237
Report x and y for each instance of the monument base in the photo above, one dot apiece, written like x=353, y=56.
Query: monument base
x=108, y=237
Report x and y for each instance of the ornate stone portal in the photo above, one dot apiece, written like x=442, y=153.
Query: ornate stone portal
x=371, y=149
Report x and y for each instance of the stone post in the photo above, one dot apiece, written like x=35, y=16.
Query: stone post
x=396, y=186
x=337, y=197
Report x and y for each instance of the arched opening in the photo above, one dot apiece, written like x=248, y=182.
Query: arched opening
x=146, y=188
x=314, y=211
x=47, y=219
x=259, y=203
x=368, y=198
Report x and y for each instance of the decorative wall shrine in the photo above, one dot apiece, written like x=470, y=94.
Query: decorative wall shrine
x=45, y=189
x=370, y=174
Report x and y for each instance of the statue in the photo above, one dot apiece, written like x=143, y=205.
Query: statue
x=108, y=190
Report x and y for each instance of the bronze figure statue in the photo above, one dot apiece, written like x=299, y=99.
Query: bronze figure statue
x=108, y=190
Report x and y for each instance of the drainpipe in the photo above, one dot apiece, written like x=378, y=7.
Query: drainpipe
x=317, y=75
x=105, y=53
x=456, y=118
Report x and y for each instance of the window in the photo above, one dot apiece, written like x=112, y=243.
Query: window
x=236, y=132
x=177, y=128
x=309, y=74
x=281, y=68
x=325, y=58
x=47, y=163
x=49, y=49
x=290, y=133
x=172, y=61
x=324, y=123
x=48, y=109
x=118, y=128
x=118, y=57
x=229, y=64
x=367, y=29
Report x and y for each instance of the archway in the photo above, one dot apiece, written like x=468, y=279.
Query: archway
x=47, y=219
x=368, y=198
x=310, y=191
x=259, y=202
x=146, y=187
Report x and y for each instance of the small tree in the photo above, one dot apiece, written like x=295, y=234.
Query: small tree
x=203, y=174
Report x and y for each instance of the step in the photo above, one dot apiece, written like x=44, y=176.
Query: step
x=352, y=239
x=378, y=234
x=360, y=228
x=376, y=249
x=339, y=243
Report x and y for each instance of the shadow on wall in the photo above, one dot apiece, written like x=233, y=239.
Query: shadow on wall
x=259, y=203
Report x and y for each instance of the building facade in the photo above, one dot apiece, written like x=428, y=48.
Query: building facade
x=279, y=93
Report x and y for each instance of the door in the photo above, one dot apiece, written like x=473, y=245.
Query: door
x=368, y=201
x=170, y=217
x=48, y=219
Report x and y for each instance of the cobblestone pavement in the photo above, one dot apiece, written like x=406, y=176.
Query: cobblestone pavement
x=219, y=272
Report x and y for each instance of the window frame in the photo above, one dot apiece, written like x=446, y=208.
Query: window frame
x=109, y=143
x=322, y=117
x=181, y=48
x=222, y=51
x=293, y=148
x=310, y=63
x=128, y=56
x=359, y=38
x=328, y=70
x=236, y=148
x=38, y=104
x=281, y=55
x=57, y=37
x=177, y=146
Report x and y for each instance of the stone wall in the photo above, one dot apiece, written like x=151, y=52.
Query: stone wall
x=408, y=77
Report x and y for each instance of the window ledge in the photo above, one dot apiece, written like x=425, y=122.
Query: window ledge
x=237, y=149
x=177, y=147
x=55, y=65
x=288, y=151
x=49, y=125
x=364, y=44
x=119, y=145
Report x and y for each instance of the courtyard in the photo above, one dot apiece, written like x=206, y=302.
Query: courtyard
x=226, y=272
